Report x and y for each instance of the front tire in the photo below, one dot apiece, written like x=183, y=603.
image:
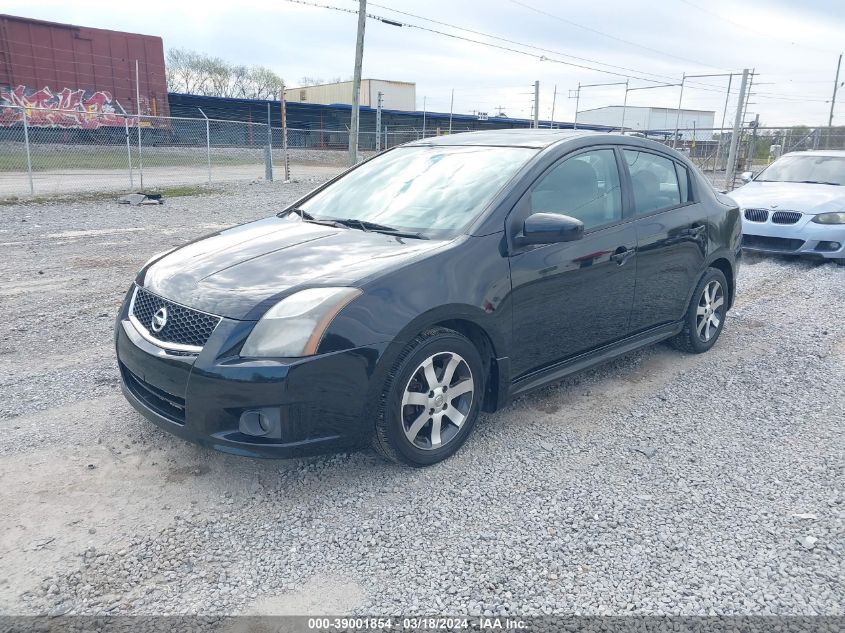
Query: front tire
x=431, y=399
x=705, y=317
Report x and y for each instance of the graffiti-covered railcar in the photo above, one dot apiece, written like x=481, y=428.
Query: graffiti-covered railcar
x=76, y=78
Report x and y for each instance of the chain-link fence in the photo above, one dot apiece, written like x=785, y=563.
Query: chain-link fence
x=49, y=151
x=756, y=147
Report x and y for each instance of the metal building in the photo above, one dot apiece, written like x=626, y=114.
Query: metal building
x=639, y=118
x=397, y=95
x=69, y=69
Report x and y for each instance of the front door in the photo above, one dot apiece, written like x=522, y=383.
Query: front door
x=572, y=297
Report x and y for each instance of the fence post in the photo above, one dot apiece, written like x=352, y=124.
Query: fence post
x=207, y=143
x=285, y=135
x=140, y=153
x=128, y=153
x=28, y=154
x=268, y=153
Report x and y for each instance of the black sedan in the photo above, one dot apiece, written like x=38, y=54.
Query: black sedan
x=436, y=280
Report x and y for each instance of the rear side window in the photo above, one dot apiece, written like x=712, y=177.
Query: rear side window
x=654, y=180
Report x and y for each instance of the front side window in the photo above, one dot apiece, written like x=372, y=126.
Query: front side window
x=585, y=187
x=828, y=170
x=654, y=180
x=438, y=189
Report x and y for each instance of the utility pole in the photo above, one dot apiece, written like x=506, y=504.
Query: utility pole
x=752, y=144
x=378, y=121
x=678, y=116
x=731, y=168
x=423, y=133
x=554, y=98
x=356, y=82
x=536, y=104
x=833, y=100
x=577, y=100
x=624, y=109
x=718, y=153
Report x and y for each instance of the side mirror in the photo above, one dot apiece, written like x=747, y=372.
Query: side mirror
x=746, y=176
x=550, y=228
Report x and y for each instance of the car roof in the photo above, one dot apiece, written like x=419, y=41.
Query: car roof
x=508, y=138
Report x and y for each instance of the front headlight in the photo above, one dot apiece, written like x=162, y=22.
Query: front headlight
x=830, y=218
x=294, y=326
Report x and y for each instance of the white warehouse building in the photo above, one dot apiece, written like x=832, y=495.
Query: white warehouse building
x=397, y=95
x=638, y=118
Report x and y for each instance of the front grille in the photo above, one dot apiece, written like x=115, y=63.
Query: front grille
x=165, y=404
x=184, y=326
x=771, y=243
x=786, y=217
x=756, y=215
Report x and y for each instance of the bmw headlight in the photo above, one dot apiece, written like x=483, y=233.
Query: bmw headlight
x=294, y=326
x=830, y=218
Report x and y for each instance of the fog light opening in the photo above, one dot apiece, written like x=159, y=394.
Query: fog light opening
x=828, y=246
x=257, y=423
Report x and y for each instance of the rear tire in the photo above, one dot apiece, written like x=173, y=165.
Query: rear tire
x=705, y=317
x=430, y=400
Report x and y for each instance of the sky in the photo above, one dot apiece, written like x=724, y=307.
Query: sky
x=792, y=46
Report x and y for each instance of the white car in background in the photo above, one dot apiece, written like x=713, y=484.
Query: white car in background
x=796, y=206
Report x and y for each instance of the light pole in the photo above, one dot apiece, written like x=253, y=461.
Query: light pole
x=627, y=90
x=681, y=97
x=578, y=95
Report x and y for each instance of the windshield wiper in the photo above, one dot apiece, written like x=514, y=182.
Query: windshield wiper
x=820, y=182
x=300, y=212
x=364, y=225
x=307, y=217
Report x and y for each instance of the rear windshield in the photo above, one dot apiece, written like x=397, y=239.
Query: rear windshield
x=424, y=189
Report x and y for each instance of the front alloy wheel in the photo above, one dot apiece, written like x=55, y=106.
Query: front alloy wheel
x=430, y=399
x=437, y=400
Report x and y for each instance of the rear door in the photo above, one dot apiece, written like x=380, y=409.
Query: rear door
x=671, y=232
x=571, y=297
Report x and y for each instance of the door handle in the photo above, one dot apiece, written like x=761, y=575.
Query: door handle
x=694, y=231
x=621, y=255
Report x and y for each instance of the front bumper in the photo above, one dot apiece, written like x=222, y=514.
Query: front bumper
x=319, y=402
x=803, y=238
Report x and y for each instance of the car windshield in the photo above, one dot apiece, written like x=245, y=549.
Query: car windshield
x=821, y=169
x=436, y=189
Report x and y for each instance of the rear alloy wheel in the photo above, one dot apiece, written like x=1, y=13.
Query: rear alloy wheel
x=710, y=311
x=705, y=316
x=431, y=399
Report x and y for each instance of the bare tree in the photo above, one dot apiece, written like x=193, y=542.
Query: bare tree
x=198, y=73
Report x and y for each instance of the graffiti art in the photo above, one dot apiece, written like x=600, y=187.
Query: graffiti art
x=66, y=109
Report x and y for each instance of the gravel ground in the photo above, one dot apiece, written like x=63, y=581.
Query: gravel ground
x=660, y=483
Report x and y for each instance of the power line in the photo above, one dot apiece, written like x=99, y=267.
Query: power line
x=693, y=85
x=745, y=28
x=507, y=48
x=608, y=35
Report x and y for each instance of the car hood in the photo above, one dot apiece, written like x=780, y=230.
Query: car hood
x=791, y=196
x=241, y=272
